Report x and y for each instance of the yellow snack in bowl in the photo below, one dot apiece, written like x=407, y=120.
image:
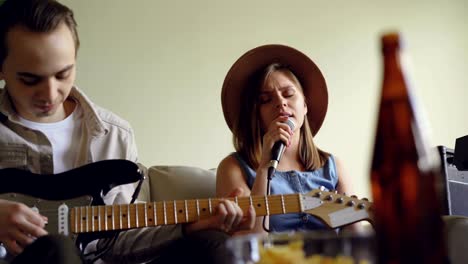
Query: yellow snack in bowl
x=292, y=253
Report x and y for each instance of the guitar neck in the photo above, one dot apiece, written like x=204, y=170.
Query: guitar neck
x=126, y=216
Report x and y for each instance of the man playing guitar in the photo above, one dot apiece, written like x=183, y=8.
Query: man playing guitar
x=49, y=126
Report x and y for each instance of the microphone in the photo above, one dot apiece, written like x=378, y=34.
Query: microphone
x=278, y=148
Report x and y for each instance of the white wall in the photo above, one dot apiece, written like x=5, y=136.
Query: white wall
x=161, y=64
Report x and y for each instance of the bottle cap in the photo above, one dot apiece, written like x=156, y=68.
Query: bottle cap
x=390, y=42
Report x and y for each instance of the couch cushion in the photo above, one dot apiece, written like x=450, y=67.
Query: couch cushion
x=180, y=183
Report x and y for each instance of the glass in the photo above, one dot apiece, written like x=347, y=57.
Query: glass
x=308, y=247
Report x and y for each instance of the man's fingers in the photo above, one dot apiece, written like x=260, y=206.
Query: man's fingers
x=221, y=213
x=239, y=216
x=250, y=218
x=22, y=239
x=34, y=224
x=36, y=219
x=226, y=215
x=230, y=215
x=12, y=247
x=233, y=217
x=33, y=230
x=248, y=221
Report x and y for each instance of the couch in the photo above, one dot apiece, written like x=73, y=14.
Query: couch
x=184, y=182
x=177, y=183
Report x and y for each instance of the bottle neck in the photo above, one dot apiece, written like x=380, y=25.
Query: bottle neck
x=396, y=88
x=394, y=83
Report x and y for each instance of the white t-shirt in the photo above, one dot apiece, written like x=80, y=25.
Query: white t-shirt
x=64, y=137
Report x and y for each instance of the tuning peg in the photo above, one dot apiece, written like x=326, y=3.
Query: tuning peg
x=322, y=188
x=340, y=200
x=361, y=206
x=329, y=197
x=353, y=196
x=365, y=199
x=351, y=203
x=318, y=194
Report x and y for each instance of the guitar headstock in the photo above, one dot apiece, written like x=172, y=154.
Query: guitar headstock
x=335, y=209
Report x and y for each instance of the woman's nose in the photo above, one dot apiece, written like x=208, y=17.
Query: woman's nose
x=280, y=102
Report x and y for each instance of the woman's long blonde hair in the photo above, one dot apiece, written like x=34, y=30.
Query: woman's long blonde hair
x=248, y=135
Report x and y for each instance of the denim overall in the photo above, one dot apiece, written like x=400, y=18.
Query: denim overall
x=288, y=182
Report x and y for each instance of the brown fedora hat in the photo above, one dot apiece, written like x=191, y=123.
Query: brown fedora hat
x=308, y=74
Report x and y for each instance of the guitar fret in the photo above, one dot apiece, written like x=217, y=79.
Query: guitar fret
x=267, y=205
x=155, y=214
x=198, y=210
x=113, y=218
x=250, y=201
x=282, y=204
x=301, y=206
x=165, y=212
x=128, y=216
x=105, y=218
x=79, y=223
x=186, y=211
x=106, y=225
x=87, y=219
x=83, y=218
x=235, y=199
x=79, y=219
x=120, y=216
x=136, y=215
x=76, y=219
x=92, y=219
x=209, y=205
x=146, y=215
x=99, y=218
x=175, y=211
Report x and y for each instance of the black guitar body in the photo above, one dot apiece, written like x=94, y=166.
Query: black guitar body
x=93, y=180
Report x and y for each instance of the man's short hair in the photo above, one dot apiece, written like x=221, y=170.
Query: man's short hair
x=35, y=15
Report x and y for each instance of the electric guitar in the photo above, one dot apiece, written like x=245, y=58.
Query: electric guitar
x=73, y=204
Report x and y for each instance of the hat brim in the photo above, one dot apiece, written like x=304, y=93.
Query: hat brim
x=308, y=74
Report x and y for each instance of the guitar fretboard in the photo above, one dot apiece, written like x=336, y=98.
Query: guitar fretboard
x=126, y=216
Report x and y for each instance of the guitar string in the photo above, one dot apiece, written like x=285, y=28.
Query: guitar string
x=134, y=208
x=275, y=207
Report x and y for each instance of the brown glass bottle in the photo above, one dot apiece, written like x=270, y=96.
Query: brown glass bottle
x=404, y=172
